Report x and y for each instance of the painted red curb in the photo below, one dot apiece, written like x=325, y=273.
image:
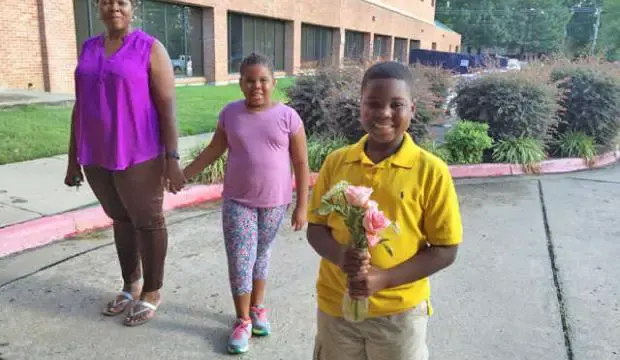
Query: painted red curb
x=554, y=166
x=42, y=231
x=48, y=229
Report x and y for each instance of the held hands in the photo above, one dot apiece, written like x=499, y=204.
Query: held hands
x=174, y=177
x=299, y=218
x=363, y=279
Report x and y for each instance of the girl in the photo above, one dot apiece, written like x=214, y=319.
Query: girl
x=262, y=138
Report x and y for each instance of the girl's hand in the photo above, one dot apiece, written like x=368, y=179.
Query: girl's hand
x=298, y=220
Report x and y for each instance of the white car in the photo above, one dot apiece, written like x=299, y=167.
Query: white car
x=514, y=64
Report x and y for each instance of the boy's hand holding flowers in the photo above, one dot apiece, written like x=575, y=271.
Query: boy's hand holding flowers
x=368, y=283
x=366, y=223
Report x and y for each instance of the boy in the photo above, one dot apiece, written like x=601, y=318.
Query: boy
x=414, y=189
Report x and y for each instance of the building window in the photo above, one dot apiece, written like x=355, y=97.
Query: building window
x=434, y=46
x=457, y=49
x=400, y=50
x=353, y=46
x=87, y=21
x=247, y=34
x=381, y=46
x=414, y=44
x=177, y=27
x=317, y=45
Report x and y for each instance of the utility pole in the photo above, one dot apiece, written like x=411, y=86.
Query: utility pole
x=597, y=25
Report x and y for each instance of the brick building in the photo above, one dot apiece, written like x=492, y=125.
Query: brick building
x=206, y=39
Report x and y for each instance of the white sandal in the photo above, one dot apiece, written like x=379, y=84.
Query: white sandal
x=116, y=303
x=147, y=306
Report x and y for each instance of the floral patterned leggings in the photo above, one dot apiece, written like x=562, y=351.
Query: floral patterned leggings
x=249, y=234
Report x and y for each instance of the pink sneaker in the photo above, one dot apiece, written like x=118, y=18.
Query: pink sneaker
x=239, y=340
x=260, y=324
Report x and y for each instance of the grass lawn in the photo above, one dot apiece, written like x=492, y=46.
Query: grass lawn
x=36, y=131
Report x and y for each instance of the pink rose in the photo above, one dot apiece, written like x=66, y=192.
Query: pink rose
x=372, y=204
x=373, y=239
x=375, y=221
x=358, y=195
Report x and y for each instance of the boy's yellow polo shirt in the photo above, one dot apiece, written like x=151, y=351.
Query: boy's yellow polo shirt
x=414, y=189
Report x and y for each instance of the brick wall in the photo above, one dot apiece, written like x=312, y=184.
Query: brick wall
x=368, y=16
x=40, y=41
x=38, y=45
x=60, y=36
x=20, y=51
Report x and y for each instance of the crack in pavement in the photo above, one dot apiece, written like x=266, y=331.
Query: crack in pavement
x=87, y=251
x=555, y=271
x=22, y=208
x=595, y=180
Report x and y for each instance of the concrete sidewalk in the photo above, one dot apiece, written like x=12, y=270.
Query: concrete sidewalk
x=536, y=278
x=13, y=97
x=32, y=189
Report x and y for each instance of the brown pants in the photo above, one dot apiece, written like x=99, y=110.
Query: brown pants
x=133, y=199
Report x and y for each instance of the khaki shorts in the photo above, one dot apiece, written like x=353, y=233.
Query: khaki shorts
x=396, y=337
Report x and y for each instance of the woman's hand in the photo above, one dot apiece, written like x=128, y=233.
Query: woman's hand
x=74, y=176
x=175, y=180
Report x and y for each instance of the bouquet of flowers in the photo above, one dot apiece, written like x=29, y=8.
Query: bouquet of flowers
x=366, y=224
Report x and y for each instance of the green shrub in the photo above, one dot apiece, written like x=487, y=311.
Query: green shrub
x=212, y=174
x=320, y=147
x=575, y=144
x=343, y=109
x=309, y=94
x=329, y=103
x=525, y=151
x=436, y=149
x=515, y=105
x=467, y=141
x=591, y=102
x=439, y=79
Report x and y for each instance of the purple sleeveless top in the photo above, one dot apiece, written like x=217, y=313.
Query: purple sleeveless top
x=117, y=125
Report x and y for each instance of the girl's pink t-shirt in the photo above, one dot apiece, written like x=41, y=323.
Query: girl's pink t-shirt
x=258, y=170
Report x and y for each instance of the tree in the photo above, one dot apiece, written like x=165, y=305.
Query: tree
x=581, y=29
x=481, y=23
x=538, y=26
x=609, y=38
x=531, y=26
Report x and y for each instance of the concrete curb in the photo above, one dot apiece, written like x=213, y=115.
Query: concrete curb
x=42, y=231
x=553, y=166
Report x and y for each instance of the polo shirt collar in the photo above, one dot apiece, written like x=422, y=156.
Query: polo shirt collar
x=405, y=156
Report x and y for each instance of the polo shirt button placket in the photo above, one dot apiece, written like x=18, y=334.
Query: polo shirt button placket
x=376, y=177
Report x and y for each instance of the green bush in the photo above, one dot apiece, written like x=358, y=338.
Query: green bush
x=343, y=111
x=436, y=149
x=515, y=105
x=467, y=141
x=591, y=102
x=309, y=94
x=525, y=151
x=575, y=144
x=328, y=101
x=212, y=174
x=320, y=147
x=439, y=79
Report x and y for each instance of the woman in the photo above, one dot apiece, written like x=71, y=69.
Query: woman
x=124, y=136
